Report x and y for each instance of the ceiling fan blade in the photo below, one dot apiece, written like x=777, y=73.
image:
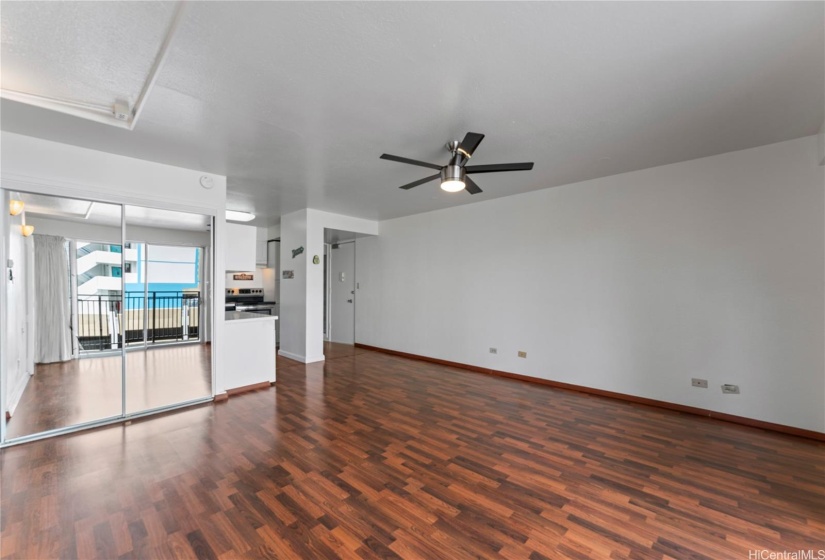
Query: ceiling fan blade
x=410, y=161
x=470, y=186
x=471, y=142
x=420, y=182
x=495, y=167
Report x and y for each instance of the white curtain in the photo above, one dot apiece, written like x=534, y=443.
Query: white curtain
x=53, y=339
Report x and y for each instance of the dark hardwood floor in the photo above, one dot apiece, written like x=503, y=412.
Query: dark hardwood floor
x=376, y=456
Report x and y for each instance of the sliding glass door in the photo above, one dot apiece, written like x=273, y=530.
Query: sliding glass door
x=163, y=294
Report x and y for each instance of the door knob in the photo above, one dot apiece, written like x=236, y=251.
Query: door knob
x=349, y=301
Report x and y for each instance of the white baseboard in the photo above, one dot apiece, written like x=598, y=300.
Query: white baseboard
x=299, y=358
x=17, y=393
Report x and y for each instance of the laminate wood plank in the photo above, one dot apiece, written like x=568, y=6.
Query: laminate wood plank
x=370, y=455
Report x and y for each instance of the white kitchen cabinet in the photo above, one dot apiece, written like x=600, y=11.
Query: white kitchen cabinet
x=240, y=246
x=249, y=349
x=260, y=246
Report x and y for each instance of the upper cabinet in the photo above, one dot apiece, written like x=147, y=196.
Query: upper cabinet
x=260, y=247
x=241, y=247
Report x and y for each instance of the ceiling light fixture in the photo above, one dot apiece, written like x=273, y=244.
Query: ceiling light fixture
x=452, y=178
x=237, y=216
x=15, y=207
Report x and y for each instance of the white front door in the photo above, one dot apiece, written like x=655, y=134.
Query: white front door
x=342, y=293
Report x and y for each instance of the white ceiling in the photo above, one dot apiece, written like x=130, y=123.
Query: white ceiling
x=295, y=101
x=94, y=52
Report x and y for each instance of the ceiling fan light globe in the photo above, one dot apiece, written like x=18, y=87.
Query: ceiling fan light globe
x=452, y=178
x=452, y=186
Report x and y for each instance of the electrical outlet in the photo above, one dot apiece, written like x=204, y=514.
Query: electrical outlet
x=703, y=383
x=730, y=389
x=493, y=351
x=522, y=354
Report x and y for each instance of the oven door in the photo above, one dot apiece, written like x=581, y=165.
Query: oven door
x=255, y=309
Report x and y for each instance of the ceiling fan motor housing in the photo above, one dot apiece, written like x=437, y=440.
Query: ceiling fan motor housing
x=452, y=173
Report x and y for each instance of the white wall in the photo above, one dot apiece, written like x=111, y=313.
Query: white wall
x=302, y=298
x=35, y=165
x=19, y=354
x=293, y=303
x=712, y=268
x=106, y=177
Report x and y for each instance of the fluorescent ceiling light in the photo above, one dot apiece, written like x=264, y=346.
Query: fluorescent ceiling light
x=236, y=216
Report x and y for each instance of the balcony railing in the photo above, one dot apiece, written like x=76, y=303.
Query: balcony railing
x=106, y=322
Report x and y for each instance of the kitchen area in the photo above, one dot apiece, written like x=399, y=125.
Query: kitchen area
x=251, y=305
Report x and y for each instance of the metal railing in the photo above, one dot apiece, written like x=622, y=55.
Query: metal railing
x=106, y=322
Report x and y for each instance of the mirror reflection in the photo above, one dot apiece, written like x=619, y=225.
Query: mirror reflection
x=168, y=359
x=64, y=317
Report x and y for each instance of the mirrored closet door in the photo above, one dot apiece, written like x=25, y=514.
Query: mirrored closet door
x=168, y=357
x=64, y=288
x=108, y=313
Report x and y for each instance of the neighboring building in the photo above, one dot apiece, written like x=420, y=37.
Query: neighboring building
x=99, y=268
x=166, y=269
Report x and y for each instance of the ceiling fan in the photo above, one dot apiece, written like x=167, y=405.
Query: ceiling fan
x=454, y=175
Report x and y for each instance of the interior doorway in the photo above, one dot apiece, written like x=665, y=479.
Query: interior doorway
x=340, y=286
x=342, y=292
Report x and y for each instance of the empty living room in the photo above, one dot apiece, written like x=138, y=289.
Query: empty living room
x=417, y=280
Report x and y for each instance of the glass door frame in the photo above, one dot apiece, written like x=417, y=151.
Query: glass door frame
x=208, y=278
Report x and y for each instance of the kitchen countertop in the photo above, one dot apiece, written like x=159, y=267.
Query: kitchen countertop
x=244, y=316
